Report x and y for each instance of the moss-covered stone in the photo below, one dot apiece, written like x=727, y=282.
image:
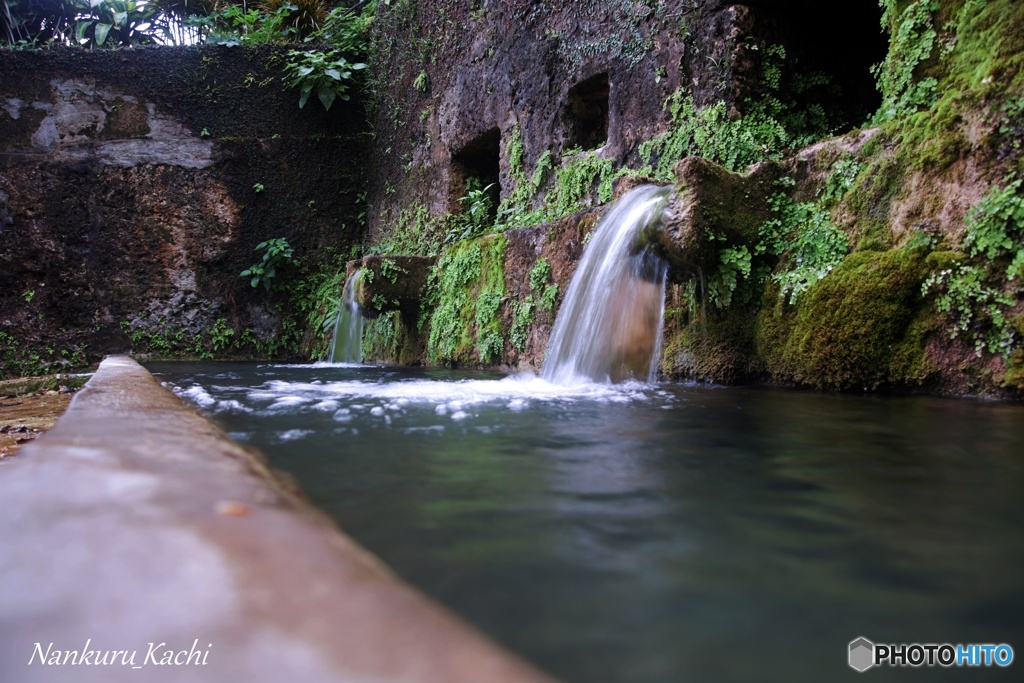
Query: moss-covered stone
x=851, y=328
x=393, y=338
x=463, y=303
x=716, y=346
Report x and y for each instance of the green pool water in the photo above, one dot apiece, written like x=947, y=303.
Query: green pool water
x=659, y=533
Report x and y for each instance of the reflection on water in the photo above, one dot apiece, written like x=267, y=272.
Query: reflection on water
x=661, y=533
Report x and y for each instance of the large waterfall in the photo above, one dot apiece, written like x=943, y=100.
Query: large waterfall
x=347, y=345
x=609, y=326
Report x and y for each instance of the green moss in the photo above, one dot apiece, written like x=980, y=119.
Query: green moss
x=912, y=33
x=716, y=347
x=522, y=318
x=851, y=328
x=391, y=338
x=872, y=194
x=542, y=286
x=463, y=303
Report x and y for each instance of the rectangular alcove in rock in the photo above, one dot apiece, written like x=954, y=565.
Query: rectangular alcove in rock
x=585, y=114
x=477, y=165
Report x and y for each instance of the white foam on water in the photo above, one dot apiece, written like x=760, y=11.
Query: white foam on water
x=404, y=400
x=198, y=395
x=294, y=434
x=516, y=392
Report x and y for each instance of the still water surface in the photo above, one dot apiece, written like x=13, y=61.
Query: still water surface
x=659, y=533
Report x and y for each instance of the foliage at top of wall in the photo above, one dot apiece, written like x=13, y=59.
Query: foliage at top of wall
x=105, y=23
x=769, y=125
x=339, y=37
x=327, y=73
x=122, y=23
x=912, y=40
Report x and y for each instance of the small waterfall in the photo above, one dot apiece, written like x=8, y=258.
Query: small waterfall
x=347, y=345
x=609, y=326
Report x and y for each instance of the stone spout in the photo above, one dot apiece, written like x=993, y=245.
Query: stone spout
x=390, y=283
x=712, y=209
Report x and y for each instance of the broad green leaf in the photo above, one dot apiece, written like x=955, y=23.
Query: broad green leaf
x=326, y=94
x=80, y=30
x=101, y=33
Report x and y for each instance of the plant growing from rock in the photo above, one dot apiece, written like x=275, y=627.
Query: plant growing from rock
x=276, y=254
x=328, y=74
x=977, y=297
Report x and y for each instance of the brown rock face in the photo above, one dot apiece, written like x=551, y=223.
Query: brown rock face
x=636, y=307
x=711, y=209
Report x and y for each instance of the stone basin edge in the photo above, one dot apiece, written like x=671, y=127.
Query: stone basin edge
x=138, y=535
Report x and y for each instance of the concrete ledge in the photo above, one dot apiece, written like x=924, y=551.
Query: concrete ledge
x=137, y=521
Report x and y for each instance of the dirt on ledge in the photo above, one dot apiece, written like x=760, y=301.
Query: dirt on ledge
x=29, y=406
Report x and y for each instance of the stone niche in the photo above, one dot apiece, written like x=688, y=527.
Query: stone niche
x=479, y=161
x=585, y=115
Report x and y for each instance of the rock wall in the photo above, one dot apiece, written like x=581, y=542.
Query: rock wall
x=134, y=187
x=458, y=82
x=877, y=249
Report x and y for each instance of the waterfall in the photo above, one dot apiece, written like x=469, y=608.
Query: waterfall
x=609, y=326
x=347, y=345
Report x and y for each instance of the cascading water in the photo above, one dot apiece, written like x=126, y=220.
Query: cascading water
x=347, y=345
x=609, y=326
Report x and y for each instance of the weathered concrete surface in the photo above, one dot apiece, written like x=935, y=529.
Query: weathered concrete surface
x=135, y=186
x=136, y=521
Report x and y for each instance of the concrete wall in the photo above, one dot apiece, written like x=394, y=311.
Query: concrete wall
x=134, y=186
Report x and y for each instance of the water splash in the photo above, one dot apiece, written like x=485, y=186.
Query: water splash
x=347, y=344
x=609, y=326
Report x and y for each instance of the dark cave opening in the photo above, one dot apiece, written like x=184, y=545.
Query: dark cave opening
x=586, y=113
x=476, y=166
x=840, y=40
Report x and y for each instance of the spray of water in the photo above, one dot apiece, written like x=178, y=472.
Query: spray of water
x=347, y=344
x=609, y=326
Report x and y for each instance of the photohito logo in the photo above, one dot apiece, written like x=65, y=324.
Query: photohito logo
x=863, y=654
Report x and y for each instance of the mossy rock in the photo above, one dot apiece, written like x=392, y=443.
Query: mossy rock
x=464, y=301
x=852, y=328
x=716, y=346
